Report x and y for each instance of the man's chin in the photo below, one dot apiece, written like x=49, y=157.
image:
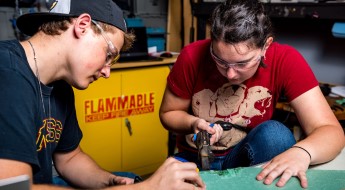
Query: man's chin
x=81, y=87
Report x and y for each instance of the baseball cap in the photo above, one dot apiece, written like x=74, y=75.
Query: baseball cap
x=105, y=11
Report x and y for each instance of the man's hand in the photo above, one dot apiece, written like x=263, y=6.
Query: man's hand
x=174, y=174
x=118, y=180
x=293, y=162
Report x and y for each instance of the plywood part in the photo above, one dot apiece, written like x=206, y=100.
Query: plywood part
x=245, y=179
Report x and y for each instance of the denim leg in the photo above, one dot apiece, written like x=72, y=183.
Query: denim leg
x=59, y=181
x=188, y=157
x=264, y=142
x=193, y=157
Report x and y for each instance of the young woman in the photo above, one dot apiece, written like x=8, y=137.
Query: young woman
x=237, y=76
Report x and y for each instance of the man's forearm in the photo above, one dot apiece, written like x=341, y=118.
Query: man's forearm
x=82, y=171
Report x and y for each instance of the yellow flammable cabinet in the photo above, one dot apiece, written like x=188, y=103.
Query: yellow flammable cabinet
x=119, y=117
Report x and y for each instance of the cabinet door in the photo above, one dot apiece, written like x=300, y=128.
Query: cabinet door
x=147, y=147
x=100, y=121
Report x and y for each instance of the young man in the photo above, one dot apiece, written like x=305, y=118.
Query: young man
x=237, y=76
x=72, y=45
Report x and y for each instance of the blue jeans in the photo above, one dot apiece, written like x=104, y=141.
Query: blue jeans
x=61, y=182
x=262, y=143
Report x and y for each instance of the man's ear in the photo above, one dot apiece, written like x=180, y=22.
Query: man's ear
x=82, y=25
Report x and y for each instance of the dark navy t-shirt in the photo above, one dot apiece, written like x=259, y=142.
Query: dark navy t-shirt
x=28, y=132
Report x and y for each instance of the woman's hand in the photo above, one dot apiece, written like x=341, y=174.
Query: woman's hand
x=217, y=135
x=201, y=125
x=293, y=162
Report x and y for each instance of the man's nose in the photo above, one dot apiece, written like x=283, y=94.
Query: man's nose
x=105, y=72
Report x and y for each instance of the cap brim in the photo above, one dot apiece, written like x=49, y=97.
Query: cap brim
x=29, y=23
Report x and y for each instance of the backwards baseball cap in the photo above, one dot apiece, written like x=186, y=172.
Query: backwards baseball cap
x=105, y=11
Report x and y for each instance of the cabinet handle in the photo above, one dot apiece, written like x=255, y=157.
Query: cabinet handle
x=129, y=127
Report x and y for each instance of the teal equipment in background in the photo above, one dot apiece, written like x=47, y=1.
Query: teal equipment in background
x=155, y=35
x=338, y=30
x=134, y=22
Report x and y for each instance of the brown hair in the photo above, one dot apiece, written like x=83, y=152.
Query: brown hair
x=56, y=27
x=236, y=21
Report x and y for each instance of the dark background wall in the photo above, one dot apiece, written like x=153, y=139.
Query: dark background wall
x=152, y=12
x=313, y=38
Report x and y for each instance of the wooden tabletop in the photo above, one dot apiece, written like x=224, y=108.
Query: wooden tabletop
x=144, y=63
x=338, y=110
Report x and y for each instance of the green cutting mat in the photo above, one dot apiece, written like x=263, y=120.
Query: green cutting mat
x=245, y=179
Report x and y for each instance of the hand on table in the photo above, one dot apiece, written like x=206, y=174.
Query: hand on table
x=174, y=174
x=293, y=162
x=118, y=180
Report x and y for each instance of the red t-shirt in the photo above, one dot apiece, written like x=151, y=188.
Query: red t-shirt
x=195, y=76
